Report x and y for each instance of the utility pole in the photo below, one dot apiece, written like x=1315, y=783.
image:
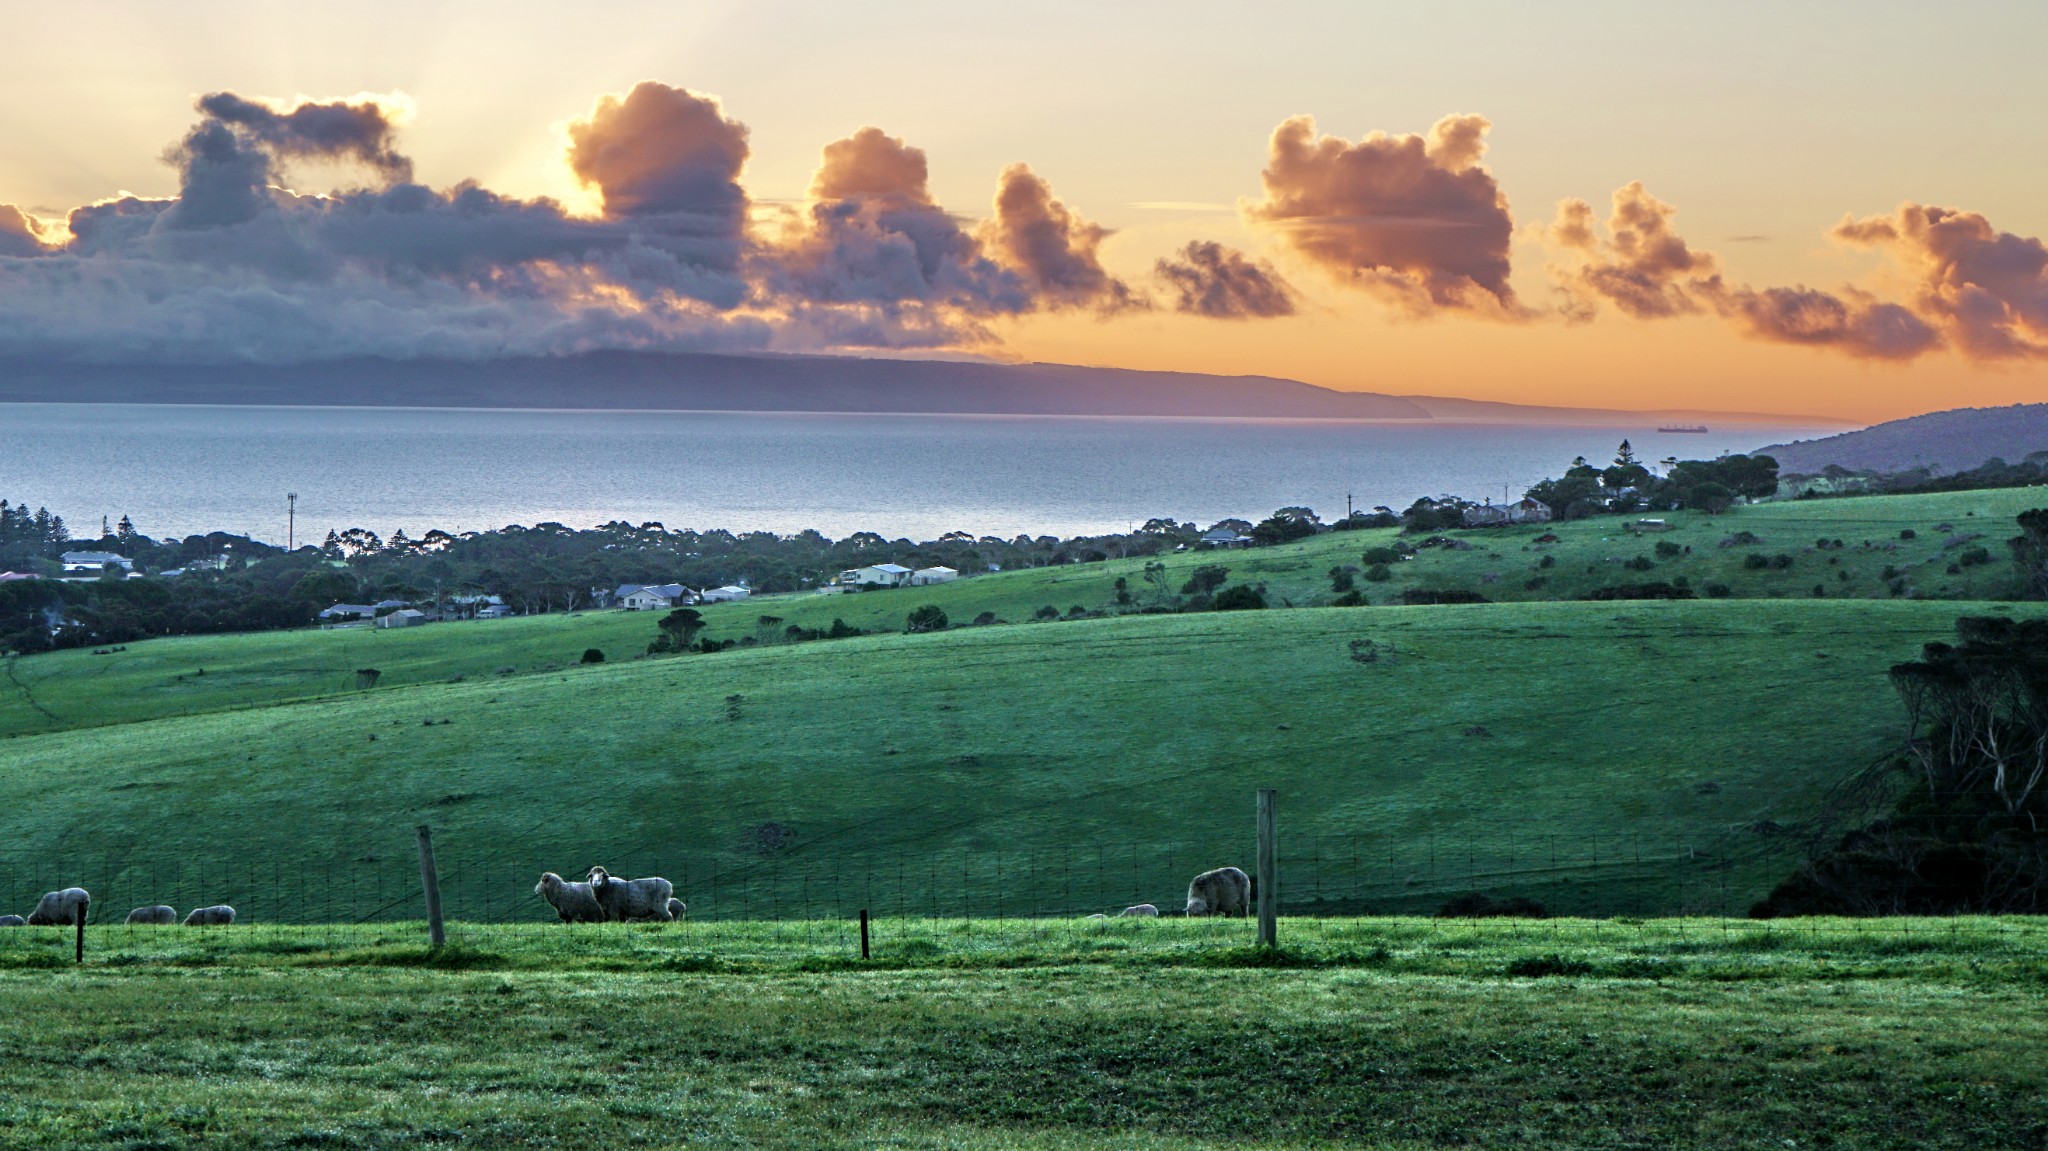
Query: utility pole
x=291, y=520
x=1348, y=512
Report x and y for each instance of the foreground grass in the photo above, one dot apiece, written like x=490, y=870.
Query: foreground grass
x=1398, y=1034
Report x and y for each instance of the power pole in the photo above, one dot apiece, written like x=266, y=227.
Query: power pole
x=291, y=520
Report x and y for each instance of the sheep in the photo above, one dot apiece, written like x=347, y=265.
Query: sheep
x=631, y=898
x=572, y=901
x=1224, y=891
x=219, y=915
x=160, y=914
x=677, y=908
x=59, y=908
x=1138, y=911
x=12, y=921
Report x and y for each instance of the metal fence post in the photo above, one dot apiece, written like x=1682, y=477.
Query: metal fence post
x=1269, y=870
x=430, y=879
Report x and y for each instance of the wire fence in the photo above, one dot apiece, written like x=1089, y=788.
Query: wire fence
x=768, y=899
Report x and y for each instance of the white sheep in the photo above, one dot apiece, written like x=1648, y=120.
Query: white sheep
x=572, y=901
x=160, y=914
x=1224, y=891
x=624, y=899
x=1138, y=911
x=65, y=907
x=677, y=908
x=12, y=921
x=219, y=915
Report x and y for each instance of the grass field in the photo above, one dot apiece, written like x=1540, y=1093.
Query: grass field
x=1609, y=758
x=195, y=675
x=1377, y=1034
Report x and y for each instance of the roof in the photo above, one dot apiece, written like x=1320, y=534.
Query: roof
x=937, y=568
x=95, y=558
x=891, y=568
x=1222, y=534
x=348, y=609
x=728, y=589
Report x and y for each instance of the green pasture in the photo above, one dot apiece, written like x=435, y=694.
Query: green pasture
x=1603, y=758
x=1375, y=1034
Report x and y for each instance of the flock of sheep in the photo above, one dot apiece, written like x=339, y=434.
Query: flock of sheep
x=603, y=898
x=72, y=904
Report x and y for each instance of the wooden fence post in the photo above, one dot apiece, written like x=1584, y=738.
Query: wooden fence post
x=82, y=910
x=430, y=879
x=1269, y=870
x=863, y=933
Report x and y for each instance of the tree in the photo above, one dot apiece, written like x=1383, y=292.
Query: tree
x=678, y=628
x=1243, y=597
x=1286, y=524
x=1205, y=579
x=1709, y=497
x=2030, y=551
x=125, y=530
x=927, y=618
x=1155, y=576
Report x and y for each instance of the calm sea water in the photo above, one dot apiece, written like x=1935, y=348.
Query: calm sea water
x=177, y=470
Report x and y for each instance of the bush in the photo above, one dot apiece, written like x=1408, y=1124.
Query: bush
x=1379, y=573
x=984, y=619
x=1639, y=564
x=1382, y=555
x=1046, y=612
x=1205, y=579
x=1666, y=549
x=1341, y=580
x=1243, y=597
x=930, y=617
x=1719, y=591
x=1537, y=584
x=1353, y=598
x=1908, y=534
x=1547, y=562
x=1642, y=591
x=592, y=655
x=840, y=630
x=1974, y=557
x=1418, y=597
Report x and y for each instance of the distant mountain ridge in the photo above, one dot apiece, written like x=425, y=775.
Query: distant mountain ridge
x=1951, y=441
x=696, y=381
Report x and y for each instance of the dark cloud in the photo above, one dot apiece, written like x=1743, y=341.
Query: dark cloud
x=1987, y=290
x=1416, y=219
x=1057, y=252
x=1643, y=266
x=362, y=132
x=1860, y=326
x=1209, y=279
x=663, y=151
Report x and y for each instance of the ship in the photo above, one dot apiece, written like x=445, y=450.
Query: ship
x=1687, y=429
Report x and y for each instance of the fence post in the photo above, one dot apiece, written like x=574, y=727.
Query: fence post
x=1269, y=870
x=82, y=910
x=430, y=879
x=863, y=933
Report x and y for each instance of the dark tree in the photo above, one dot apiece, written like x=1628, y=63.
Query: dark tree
x=927, y=618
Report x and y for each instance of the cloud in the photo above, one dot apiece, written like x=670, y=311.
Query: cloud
x=1856, y=324
x=663, y=152
x=1211, y=280
x=1057, y=252
x=1415, y=219
x=362, y=132
x=1985, y=289
x=1643, y=266
x=20, y=234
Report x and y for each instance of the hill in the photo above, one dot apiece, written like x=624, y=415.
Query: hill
x=1950, y=441
x=681, y=381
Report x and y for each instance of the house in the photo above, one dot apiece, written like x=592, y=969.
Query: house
x=89, y=565
x=881, y=575
x=342, y=611
x=493, y=611
x=1225, y=538
x=1487, y=516
x=727, y=594
x=390, y=605
x=1650, y=526
x=932, y=575
x=1530, y=511
x=1522, y=511
x=403, y=617
x=652, y=597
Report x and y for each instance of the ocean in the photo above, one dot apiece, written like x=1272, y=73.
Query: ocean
x=179, y=470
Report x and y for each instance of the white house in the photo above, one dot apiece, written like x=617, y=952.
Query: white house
x=403, y=617
x=493, y=611
x=1224, y=538
x=727, y=594
x=93, y=563
x=886, y=575
x=933, y=575
x=342, y=611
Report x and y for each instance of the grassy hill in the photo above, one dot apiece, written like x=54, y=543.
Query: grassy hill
x=1608, y=758
x=202, y=674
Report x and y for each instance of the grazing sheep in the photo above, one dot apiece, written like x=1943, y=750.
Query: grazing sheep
x=677, y=908
x=572, y=901
x=1098, y=915
x=219, y=915
x=1139, y=911
x=12, y=921
x=160, y=914
x=1224, y=891
x=631, y=898
x=61, y=908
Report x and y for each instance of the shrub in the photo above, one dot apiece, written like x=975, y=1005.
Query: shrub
x=930, y=617
x=1416, y=596
x=1908, y=534
x=1379, y=573
x=1382, y=555
x=1639, y=564
x=1341, y=581
x=1718, y=591
x=1974, y=557
x=984, y=619
x=1537, y=584
x=1205, y=579
x=1243, y=597
x=840, y=630
x=1756, y=561
x=1352, y=598
x=1046, y=612
x=1667, y=549
x=1547, y=562
x=592, y=655
x=1642, y=591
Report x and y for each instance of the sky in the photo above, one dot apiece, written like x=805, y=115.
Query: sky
x=1812, y=209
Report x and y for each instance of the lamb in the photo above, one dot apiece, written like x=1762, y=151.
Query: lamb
x=65, y=907
x=12, y=921
x=1138, y=911
x=160, y=914
x=1224, y=891
x=572, y=901
x=677, y=908
x=631, y=898
x=219, y=915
